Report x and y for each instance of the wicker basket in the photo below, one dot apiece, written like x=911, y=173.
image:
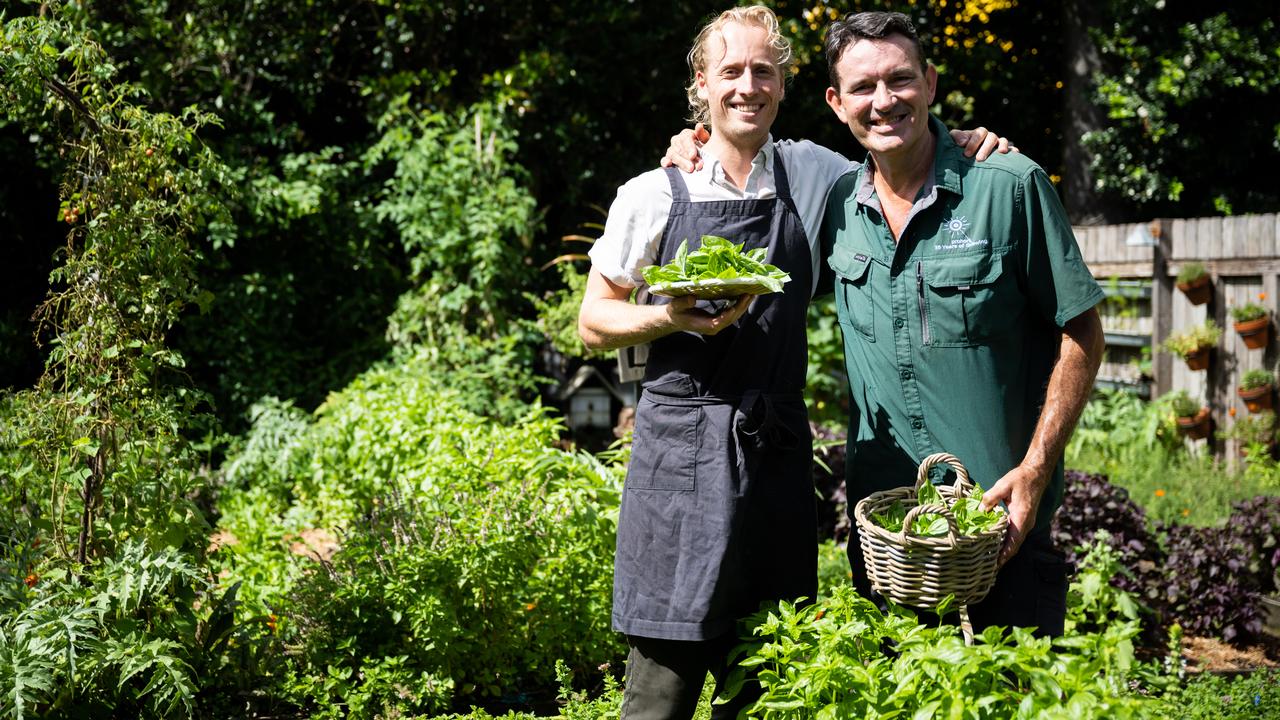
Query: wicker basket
x=920, y=571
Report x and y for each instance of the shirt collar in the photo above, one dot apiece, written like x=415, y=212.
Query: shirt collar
x=947, y=159
x=761, y=166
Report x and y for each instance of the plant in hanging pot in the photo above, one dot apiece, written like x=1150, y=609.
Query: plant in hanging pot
x=1193, y=418
x=1253, y=431
x=1255, y=389
x=1193, y=281
x=1253, y=322
x=1193, y=345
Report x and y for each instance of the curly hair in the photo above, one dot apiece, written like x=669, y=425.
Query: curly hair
x=755, y=15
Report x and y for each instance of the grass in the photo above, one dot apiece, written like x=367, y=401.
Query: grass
x=1135, y=444
x=1180, y=488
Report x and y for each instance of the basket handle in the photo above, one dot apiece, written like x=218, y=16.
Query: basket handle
x=963, y=485
x=953, y=531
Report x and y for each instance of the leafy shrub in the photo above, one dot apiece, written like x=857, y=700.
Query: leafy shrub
x=833, y=567
x=1215, y=575
x=1205, y=579
x=829, y=660
x=471, y=553
x=1212, y=697
x=826, y=384
x=828, y=478
x=1199, y=337
x=1118, y=431
x=136, y=638
x=1256, y=378
x=1257, y=429
x=1091, y=505
x=558, y=313
x=1093, y=600
x=459, y=201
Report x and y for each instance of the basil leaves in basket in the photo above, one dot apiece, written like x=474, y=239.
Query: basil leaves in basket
x=970, y=518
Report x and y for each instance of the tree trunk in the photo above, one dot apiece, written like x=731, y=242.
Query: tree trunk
x=1085, y=205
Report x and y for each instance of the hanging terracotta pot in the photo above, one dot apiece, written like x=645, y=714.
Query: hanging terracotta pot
x=1197, y=291
x=1198, y=359
x=1256, y=332
x=1197, y=426
x=1256, y=399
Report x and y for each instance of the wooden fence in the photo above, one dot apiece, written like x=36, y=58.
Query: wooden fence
x=1137, y=264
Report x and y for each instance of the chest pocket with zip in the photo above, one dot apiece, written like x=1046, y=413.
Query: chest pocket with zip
x=969, y=299
x=855, y=306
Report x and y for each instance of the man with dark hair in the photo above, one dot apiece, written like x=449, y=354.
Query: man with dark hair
x=968, y=314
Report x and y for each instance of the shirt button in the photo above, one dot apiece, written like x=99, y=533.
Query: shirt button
x=899, y=322
x=906, y=375
x=917, y=423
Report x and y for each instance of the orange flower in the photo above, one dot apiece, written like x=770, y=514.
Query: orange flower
x=31, y=580
x=1231, y=412
x=1186, y=512
x=1262, y=296
x=1159, y=493
x=530, y=606
x=273, y=622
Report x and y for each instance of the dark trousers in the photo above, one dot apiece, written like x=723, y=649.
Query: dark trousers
x=665, y=678
x=1030, y=590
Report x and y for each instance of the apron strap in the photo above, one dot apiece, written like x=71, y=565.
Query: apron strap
x=679, y=191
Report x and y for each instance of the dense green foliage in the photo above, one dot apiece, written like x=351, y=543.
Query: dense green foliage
x=280, y=449
x=827, y=660
x=1172, y=74
x=439, y=550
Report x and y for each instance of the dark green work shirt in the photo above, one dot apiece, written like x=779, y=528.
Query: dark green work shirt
x=950, y=334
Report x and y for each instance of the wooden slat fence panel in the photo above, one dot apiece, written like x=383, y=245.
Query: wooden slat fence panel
x=1242, y=255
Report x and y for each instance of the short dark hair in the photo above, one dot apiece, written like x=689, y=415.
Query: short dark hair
x=867, y=26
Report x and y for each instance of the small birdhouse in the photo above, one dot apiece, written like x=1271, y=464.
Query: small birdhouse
x=591, y=407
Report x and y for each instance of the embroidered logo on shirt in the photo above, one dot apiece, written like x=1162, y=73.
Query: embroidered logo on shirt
x=958, y=228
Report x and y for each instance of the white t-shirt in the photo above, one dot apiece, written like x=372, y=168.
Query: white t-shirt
x=633, y=230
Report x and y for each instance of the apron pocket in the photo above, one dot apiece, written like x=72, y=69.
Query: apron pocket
x=664, y=446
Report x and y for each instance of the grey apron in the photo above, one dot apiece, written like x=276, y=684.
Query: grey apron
x=718, y=511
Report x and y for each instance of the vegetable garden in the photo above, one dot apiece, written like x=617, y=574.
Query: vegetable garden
x=288, y=291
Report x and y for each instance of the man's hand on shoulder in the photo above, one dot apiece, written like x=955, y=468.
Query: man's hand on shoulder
x=979, y=143
x=683, y=152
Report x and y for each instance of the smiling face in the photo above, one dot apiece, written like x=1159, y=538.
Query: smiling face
x=884, y=95
x=742, y=86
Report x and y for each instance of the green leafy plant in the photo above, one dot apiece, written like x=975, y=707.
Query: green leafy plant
x=558, y=313
x=1195, y=339
x=1191, y=273
x=1208, y=696
x=828, y=660
x=716, y=259
x=1182, y=404
x=1255, y=429
x=1256, y=378
x=1249, y=311
x=465, y=555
